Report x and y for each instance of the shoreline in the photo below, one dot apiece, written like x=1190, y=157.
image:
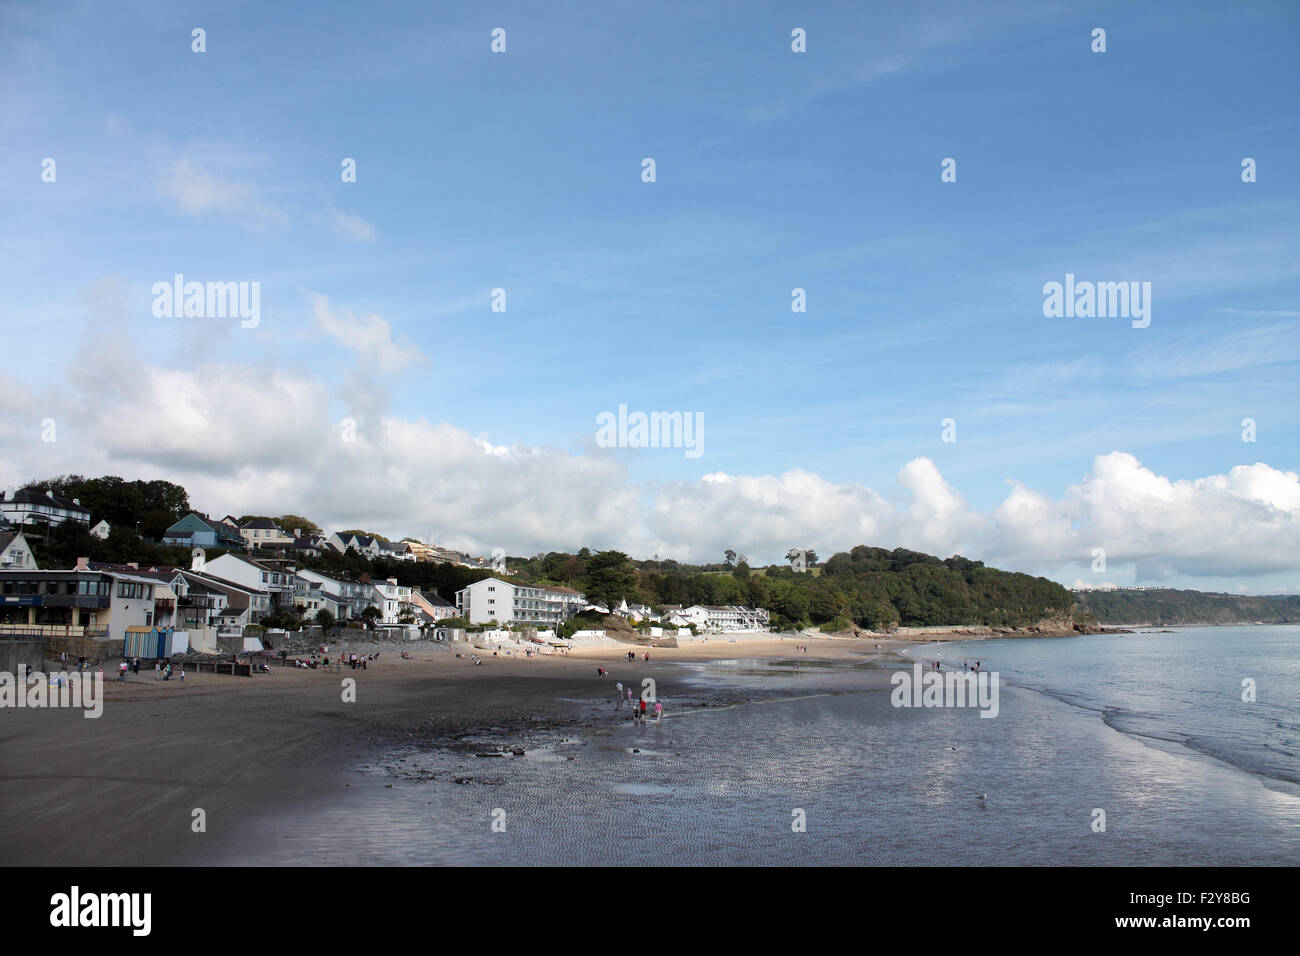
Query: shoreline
x=124, y=789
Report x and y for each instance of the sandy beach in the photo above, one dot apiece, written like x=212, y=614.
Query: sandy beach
x=123, y=789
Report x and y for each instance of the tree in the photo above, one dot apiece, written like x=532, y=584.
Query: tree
x=370, y=615
x=325, y=619
x=406, y=615
x=610, y=578
x=288, y=523
x=730, y=556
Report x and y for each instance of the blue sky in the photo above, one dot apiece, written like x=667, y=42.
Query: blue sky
x=775, y=170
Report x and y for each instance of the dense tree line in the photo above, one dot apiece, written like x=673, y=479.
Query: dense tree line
x=149, y=507
x=870, y=587
x=1169, y=606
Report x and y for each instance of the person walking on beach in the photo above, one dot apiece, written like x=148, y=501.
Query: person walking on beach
x=157, y=670
x=659, y=711
x=182, y=675
x=619, y=696
x=121, y=671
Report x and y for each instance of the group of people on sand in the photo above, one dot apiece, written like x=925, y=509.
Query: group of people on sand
x=640, y=708
x=972, y=667
x=162, y=670
x=631, y=655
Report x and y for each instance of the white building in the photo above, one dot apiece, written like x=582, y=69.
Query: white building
x=270, y=587
x=494, y=601
x=16, y=553
x=22, y=507
x=101, y=530
x=342, y=597
x=392, y=598
x=735, y=617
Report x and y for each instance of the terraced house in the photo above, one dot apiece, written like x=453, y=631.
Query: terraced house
x=42, y=507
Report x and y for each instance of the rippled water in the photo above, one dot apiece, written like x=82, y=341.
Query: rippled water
x=1183, y=687
x=875, y=784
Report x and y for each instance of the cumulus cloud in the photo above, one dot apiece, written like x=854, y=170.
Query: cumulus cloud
x=261, y=439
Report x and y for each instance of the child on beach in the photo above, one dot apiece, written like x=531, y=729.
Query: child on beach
x=659, y=711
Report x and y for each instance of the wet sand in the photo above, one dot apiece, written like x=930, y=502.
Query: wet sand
x=123, y=789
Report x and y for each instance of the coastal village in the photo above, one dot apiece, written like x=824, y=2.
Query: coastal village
x=220, y=605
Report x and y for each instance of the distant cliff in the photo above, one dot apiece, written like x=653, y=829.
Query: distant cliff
x=1169, y=606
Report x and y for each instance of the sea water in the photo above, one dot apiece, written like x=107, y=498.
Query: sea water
x=1107, y=750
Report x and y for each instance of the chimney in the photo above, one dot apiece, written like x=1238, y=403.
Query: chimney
x=77, y=502
x=83, y=564
x=49, y=493
x=393, y=581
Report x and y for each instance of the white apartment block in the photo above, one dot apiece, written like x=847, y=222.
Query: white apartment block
x=494, y=601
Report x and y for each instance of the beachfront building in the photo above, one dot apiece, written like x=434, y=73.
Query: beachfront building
x=16, y=553
x=240, y=606
x=715, y=618
x=101, y=529
x=391, y=598
x=82, y=598
x=42, y=507
x=432, y=605
x=198, y=531
x=496, y=601
x=340, y=595
x=635, y=612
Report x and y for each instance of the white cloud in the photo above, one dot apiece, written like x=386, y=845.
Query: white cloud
x=195, y=191
x=351, y=226
x=253, y=439
x=369, y=336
